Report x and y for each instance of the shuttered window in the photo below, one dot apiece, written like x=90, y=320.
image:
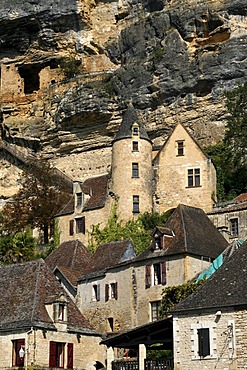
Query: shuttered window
x=203, y=342
x=17, y=360
x=56, y=358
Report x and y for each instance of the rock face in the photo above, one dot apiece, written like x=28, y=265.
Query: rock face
x=173, y=59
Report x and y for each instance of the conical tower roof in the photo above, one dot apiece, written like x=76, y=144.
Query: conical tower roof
x=125, y=130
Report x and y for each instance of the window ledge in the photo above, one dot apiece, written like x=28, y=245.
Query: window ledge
x=192, y=187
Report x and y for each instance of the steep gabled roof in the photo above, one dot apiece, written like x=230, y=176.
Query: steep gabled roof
x=24, y=290
x=72, y=258
x=225, y=288
x=188, y=133
x=110, y=254
x=96, y=188
x=125, y=128
x=193, y=233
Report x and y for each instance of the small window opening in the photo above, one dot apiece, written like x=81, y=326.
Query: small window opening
x=110, y=324
x=30, y=74
x=180, y=148
x=135, y=170
x=194, y=177
x=136, y=204
x=135, y=146
x=203, y=342
x=234, y=226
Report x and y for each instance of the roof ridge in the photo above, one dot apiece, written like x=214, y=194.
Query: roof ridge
x=74, y=254
x=184, y=230
x=36, y=290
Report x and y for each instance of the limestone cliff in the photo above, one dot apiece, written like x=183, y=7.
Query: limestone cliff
x=173, y=59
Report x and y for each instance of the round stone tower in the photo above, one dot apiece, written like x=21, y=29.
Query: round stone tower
x=132, y=167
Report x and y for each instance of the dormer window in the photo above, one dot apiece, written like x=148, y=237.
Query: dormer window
x=78, y=199
x=135, y=129
x=60, y=308
x=61, y=312
x=157, y=242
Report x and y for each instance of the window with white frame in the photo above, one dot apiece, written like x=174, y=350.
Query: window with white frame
x=234, y=226
x=155, y=310
x=96, y=292
x=203, y=340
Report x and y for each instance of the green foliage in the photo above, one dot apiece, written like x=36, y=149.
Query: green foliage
x=137, y=230
x=71, y=67
x=158, y=53
x=18, y=247
x=40, y=198
x=156, y=354
x=230, y=156
x=171, y=296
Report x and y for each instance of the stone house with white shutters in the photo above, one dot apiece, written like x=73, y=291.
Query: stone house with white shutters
x=40, y=325
x=209, y=327
x=141, y=180
x=121, y=291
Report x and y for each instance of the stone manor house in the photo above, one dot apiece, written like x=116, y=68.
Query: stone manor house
x=141, y=180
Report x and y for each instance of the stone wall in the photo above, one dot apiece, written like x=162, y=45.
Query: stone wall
x=37, y=347
x=172, y=186
x=227, y=340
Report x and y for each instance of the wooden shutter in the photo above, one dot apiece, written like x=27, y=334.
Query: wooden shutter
x=83, y=225
x=163, y=273
x=116, y=292
x=148, y=276
x=52, y=358
x=203, y=342
x=70, y=356
x=106, y=292
x=71, y=227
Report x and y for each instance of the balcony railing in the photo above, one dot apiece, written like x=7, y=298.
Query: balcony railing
x=149, y=365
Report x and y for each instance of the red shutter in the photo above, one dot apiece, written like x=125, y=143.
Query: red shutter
x=116, y=292
x=70, y=356
x=163, y=273
x=106, y=292
x=52, y=359
x=71, y=227
x=148, y=276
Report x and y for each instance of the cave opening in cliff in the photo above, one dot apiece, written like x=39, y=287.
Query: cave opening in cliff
x=30, y=74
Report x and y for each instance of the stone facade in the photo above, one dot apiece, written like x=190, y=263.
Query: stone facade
x=179, y=173
x=133, y=304
x=227, y=342
x=184, y=174
x=231, y=218
x=86, y=348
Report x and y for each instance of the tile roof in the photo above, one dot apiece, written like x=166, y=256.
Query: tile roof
x=125, y=128
x=111, y=254
x=193, y=232
x=24, y=290
x=97, y=188
x=72, y=258
x=237, y=204
x=225, y=288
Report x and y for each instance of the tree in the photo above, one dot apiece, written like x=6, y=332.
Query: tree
x=230, y=155
x=138, y=230
x=171, y=296
x=41, y=196
x=18, y=247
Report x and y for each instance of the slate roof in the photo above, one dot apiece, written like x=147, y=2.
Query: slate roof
x=24, y=290
x=225, y=288
x=237, y=204
x=194, y=234
x=125, y=128
x=108, y=255
x=72, y=258
x=97, y=188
